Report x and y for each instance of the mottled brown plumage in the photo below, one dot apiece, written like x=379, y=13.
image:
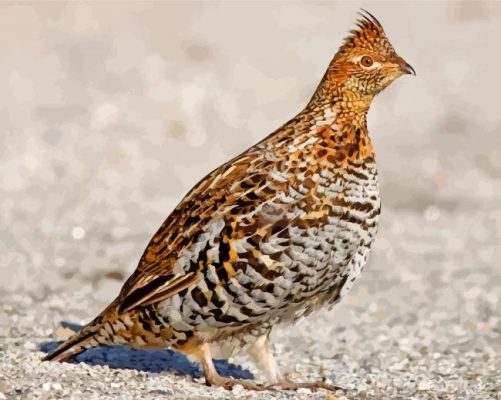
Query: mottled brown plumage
x=279, y=231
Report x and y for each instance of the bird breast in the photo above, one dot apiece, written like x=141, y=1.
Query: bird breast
x=304, y=248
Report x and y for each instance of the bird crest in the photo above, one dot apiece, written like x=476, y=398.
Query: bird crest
x=369, y=35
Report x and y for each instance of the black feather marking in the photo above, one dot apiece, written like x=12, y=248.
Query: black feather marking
x=138, y=294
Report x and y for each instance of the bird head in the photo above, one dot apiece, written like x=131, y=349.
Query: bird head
x=366, y=63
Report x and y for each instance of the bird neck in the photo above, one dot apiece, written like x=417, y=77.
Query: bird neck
x=335, y=115
x=338, y=118
x=338, y=93
x=341, y=113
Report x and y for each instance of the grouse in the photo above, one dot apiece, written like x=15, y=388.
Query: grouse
x=281, y=230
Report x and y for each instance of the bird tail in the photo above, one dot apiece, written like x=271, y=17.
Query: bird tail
x=76, y=344
x=95, y=334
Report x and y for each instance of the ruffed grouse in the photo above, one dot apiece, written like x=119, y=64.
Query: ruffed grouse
x=279, y=231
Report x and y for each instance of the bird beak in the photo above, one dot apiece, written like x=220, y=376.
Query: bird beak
x=406, y=68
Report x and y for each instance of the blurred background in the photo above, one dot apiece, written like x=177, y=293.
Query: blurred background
x=111, y=111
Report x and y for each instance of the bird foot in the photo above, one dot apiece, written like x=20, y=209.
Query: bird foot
x=230, y=383
x=286, y=384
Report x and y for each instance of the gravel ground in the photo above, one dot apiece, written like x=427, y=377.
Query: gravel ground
x=110, y=114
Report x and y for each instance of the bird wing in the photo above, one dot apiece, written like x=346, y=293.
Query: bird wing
x=212, y=213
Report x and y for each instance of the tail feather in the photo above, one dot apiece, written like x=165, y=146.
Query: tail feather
x=95, y=334
x=76, y=344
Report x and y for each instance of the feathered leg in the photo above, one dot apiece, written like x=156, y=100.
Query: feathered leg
x=263, y=356
x=202, y=354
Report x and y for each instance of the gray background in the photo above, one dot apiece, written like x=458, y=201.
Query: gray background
x=110, y=112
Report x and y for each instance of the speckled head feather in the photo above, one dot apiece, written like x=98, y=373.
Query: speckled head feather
x=366, y=62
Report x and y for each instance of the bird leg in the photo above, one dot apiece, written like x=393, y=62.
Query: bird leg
x=263, y=356
x=212, y=378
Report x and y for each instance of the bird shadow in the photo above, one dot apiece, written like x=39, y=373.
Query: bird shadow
x=146, y=360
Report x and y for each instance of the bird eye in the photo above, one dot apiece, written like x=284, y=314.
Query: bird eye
x=366, y=61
